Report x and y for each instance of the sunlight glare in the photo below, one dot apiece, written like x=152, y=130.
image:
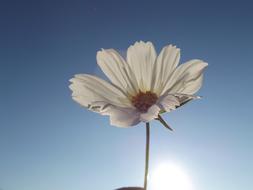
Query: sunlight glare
x=170, y=176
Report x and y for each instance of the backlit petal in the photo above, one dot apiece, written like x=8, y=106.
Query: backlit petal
x=117, y=70
x=165, y=64
x=122, y=117
x=88, y=89
x=168, y=102
x=151, y=114
x=184, y=98
x=141, y=57
x=187, y=78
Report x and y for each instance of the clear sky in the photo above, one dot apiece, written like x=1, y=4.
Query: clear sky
x=48, y=142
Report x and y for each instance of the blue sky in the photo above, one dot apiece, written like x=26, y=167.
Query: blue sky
x=48, y=142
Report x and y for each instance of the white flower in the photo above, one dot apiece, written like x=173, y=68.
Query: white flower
x=142, y=86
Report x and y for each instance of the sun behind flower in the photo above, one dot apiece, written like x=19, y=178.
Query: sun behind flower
x=142, y=86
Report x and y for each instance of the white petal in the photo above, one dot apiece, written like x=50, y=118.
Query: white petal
x=187, y=78
x=151, y=114
x=165, y=64
x=122, y=117
x=168, y=102
x=192, y=86
x=117, y=70
x=88, y=89
x=184, y=98
x=141, y=57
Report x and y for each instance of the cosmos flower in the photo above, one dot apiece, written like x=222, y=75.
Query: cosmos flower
x=141, y=87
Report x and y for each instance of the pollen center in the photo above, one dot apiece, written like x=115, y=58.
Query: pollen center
x=143, y=101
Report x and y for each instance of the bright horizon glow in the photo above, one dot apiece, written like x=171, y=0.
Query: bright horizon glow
x=170, y=176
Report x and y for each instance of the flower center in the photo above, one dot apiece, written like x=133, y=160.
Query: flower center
x=143, y=101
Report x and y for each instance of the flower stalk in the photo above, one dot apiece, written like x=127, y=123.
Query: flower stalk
x=147, y=155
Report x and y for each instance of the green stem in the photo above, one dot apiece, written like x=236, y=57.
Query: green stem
x=147, y=155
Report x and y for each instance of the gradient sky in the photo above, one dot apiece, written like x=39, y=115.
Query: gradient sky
x=48, y=142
